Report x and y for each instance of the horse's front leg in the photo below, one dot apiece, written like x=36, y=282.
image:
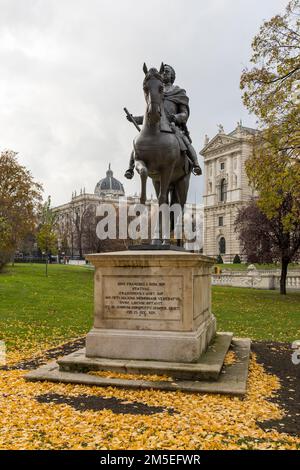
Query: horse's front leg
x=143, y=172
x=164, y=214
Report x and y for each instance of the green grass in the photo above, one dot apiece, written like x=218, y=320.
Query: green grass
x=244, y=266
x=258, y=314
x=38, y=311
x=35, y=309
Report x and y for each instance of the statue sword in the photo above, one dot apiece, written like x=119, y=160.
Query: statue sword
x=131, y=119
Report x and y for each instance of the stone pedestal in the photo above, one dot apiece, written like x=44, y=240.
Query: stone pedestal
x=153, y=316
x=151, y=305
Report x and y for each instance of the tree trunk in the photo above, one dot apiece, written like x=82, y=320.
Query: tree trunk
x=72, y=246
x=80, y=246
x=284, y=267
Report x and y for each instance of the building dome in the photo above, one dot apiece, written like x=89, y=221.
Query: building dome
x=109, y=186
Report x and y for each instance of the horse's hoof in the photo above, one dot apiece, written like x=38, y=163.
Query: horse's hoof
x=197, y=170
x=129, y=174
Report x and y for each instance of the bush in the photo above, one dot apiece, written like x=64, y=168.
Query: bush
x=237, y=259
x=220, y=259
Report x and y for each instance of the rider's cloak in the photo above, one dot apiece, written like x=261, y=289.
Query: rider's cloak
x=178, y=96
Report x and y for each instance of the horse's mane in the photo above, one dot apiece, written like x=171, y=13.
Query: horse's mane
x=152, y=73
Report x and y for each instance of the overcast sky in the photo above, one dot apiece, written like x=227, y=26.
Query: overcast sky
x=68, y=67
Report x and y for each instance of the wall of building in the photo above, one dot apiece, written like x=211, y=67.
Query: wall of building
x=224, y=160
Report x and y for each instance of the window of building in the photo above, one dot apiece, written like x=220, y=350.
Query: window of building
x=221, y=221
x=222, y=166
x=210, y=187
x=222, y=246
x=223, y=190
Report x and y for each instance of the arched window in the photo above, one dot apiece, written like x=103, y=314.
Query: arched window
x=223, y=190
x=222, y=246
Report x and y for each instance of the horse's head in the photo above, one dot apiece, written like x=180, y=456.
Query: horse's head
x=153, y=90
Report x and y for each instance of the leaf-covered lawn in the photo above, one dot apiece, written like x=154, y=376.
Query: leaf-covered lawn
x=197, y=421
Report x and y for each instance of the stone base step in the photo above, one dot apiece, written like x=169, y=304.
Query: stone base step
x=208, y=367
x=231, y=381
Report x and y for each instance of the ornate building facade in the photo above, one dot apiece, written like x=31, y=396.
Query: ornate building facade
x=226, y=189
x=76, y=220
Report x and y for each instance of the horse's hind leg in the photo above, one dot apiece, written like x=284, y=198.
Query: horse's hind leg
x=164, y=215
x=181, y=189
x=143, y=172
x=155, y=239
x=165, y=179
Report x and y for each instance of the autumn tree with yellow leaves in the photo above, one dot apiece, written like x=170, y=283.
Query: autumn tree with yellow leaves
x=20, y=198
x=272, y=92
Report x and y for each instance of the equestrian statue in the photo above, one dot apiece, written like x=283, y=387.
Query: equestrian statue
x=163, y=148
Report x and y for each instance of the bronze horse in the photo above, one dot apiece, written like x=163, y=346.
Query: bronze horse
x=157, y=154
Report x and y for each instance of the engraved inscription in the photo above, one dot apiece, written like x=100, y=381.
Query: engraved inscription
x=144, y=297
